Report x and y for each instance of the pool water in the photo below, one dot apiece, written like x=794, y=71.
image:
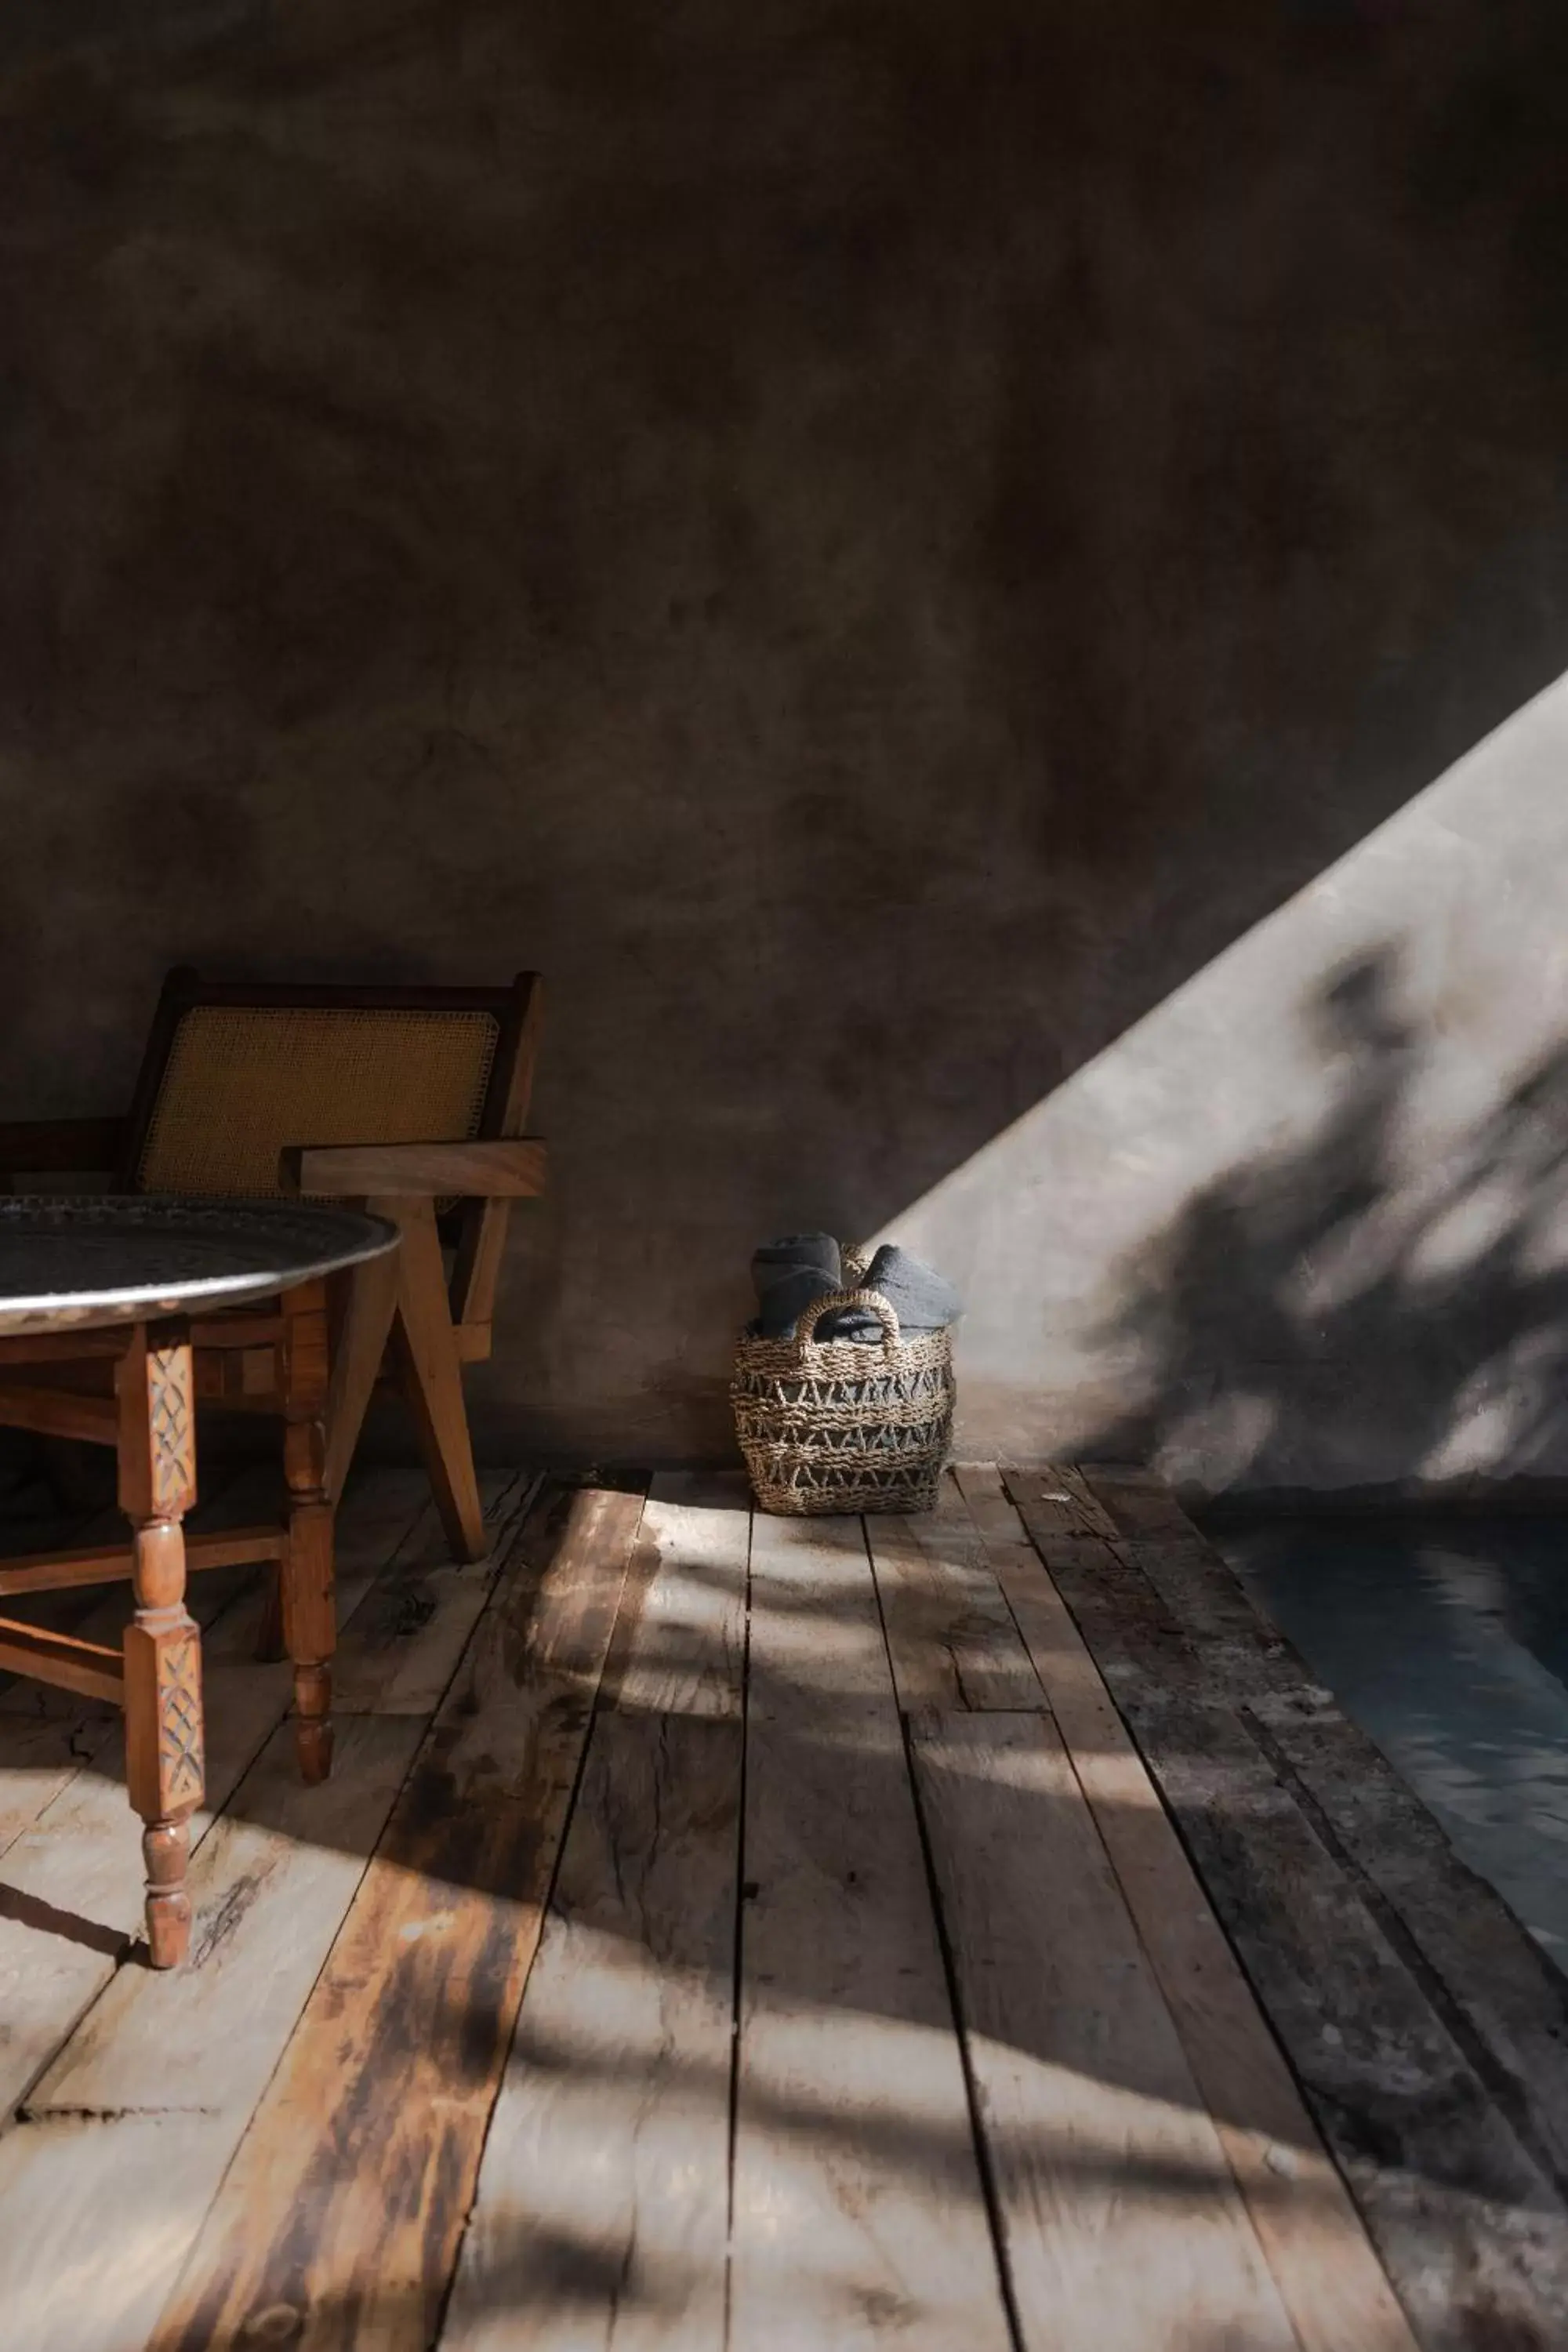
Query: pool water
x=1448, y=1646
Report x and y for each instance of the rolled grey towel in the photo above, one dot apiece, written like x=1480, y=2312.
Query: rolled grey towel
x=786, y=1306
x=791, y=1255
x=784, y=1302
x=793, y=1272
x=918, y=1294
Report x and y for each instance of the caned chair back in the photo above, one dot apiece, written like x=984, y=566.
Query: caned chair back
x=233, y=1078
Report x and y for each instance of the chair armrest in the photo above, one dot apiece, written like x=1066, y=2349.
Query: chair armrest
x=510, y=1168
x=78, y=1147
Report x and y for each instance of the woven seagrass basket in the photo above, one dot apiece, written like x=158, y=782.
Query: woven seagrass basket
x=845, y=1424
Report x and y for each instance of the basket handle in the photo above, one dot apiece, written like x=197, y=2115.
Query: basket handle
x=872, y=1300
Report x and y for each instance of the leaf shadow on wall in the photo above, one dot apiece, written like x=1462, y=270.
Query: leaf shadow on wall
x=1338, y=1283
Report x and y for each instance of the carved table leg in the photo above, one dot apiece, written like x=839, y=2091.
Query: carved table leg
x=163, y=1750
x=309, y=1614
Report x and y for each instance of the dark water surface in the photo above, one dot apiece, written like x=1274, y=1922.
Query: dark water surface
x=1448, y=1644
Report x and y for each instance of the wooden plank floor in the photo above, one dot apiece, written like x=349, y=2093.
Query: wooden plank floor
x=1429, y=2031
x=724, y=1932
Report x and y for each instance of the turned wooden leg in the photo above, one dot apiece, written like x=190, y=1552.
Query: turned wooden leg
x=309, y=1614
x=163, y=1747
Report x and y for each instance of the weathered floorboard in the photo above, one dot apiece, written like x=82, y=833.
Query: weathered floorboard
x=1124, y=2227
x=105, y=2183
x=1063, y=1492
x=1513, y=2001
x=338, y=2223
x=72, y=1896
x=603, y=2199
x=1329, y=2281
x=602, y=2202
x=859, y=2218
x=1471, y=2230
x=951, y=1635
x=324, y=2132
x=689, y=1639
x=397, y=1651
x=40, y=1755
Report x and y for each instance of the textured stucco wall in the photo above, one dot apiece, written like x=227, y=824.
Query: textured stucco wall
x=872, y=542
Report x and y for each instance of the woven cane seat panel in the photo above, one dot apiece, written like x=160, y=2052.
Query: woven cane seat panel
x=245, y=1081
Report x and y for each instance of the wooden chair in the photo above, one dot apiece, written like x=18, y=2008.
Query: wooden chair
x=411, y=1101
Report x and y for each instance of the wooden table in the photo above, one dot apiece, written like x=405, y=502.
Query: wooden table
x=95, y=1277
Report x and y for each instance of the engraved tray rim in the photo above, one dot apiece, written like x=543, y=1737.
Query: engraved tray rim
x=327, y=1240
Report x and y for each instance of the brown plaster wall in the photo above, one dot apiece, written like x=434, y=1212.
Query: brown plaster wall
x=870, y=540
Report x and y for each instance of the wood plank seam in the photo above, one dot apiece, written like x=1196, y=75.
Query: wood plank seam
x=656, y=1635
x=481, y=1923
x=1169, y=1525
x=216, y=1930
x=736, y=1971
x=384, y=1570
x=1149, y=1949
x=1076, y=1497
x=1121, y=2206
x=990, y=2187
x=417, y=1528
x=854, y=2123
x=611, y=2128
x=1320, y=2250
x=396, y=1625
x=513, y=1508
x=547, y=1897
x=1504, y=2086
x=1491, y=2254
x=950, y=1637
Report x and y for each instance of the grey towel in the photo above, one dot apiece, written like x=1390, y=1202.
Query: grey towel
x=784, y=1302
x=792, y=1253
x=916, y=1293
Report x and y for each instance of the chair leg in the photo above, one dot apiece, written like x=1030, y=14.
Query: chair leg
x=164, y=1730
x=357, y=1358
x=433, y=1378
x=309, y=1614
